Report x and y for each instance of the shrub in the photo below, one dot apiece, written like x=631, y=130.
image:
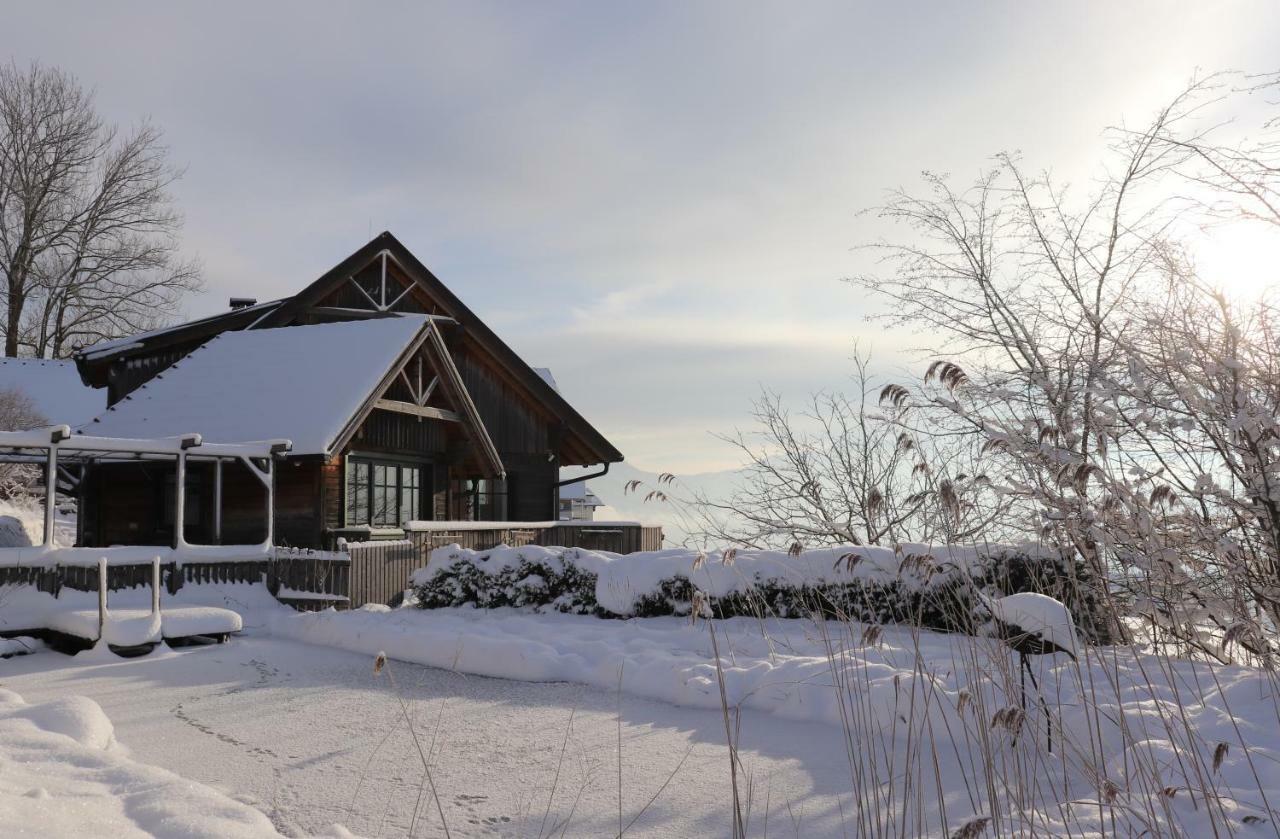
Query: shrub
x=919, y=589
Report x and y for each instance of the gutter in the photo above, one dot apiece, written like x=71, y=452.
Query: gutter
x=599, y=474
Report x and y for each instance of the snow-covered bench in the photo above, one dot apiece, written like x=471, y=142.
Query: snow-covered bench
x=134, y=629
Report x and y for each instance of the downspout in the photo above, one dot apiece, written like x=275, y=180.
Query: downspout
x=555, y=501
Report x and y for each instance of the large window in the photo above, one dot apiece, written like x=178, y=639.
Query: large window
x=383, y=493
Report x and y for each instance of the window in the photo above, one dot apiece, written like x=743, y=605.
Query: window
x=383, y=493
x=478, y=499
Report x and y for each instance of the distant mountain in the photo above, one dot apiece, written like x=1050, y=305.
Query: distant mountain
x=624, y=506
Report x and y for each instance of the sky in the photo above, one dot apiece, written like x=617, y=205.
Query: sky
x=657, y=200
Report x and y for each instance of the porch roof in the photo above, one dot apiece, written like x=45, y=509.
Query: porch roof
x=301, y=383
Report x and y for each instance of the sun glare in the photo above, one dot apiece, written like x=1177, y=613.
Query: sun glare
x=1241, y=258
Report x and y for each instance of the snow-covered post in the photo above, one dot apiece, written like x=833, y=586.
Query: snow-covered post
x=56, y=436
x=155, y=586
x=180, y=502
x=102, y=595
x=50, y=492
x=217, y=501
x=271, y=501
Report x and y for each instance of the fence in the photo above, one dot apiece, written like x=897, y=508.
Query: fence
x=380, y=571
x=305, y=579
x=358, y=574
x=620, y=537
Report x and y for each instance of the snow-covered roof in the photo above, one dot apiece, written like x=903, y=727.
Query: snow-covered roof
x=301, y=383
x=136, y=340
x=579, y=491
x=54, y=388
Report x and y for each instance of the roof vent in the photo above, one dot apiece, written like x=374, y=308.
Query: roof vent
x=243, y=302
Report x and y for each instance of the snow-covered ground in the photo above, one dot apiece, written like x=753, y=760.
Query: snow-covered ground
x=311, y=737
x=909, y=733
x=63, y=774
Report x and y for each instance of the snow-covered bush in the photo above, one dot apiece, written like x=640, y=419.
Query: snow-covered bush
x=933, y=587
x=541, y=579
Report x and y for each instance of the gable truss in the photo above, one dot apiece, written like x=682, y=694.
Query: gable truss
x=428, y=371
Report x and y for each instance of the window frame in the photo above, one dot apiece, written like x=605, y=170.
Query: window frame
x=392, y=471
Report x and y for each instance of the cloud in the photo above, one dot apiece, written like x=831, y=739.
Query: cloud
x=655, y=199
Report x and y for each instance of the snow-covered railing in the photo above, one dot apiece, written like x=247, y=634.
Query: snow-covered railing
x=42, y=556
x=614, y=536
x=436, y=526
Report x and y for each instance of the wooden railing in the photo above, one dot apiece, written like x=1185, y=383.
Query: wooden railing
x=615, y=537
x=305, y=579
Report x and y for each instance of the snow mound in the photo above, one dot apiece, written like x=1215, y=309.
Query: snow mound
x=77, y=717
x=64, y=777
x=1039, y=615
x=22, y=645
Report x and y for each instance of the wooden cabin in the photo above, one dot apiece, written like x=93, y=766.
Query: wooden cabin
x=400, y=403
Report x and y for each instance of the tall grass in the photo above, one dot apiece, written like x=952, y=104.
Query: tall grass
x=953, y=746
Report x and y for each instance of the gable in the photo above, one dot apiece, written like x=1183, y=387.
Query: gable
x=384, y=276
x=380, y=280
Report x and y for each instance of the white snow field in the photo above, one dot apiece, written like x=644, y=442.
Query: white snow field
x=62, y=774
x=311, y=737
x=845, y=730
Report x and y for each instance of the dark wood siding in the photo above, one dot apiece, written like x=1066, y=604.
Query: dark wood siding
x=531, y=493
x=388, y=431
x=298, y=499
x=513, y=425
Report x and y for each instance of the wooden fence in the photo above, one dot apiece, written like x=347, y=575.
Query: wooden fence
x=302, y=578
x=380, y=571
x=615, y=538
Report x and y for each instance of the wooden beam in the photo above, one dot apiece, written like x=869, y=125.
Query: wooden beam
x=461, y=398
x=416, y=410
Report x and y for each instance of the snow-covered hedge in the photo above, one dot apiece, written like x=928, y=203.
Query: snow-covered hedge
x=930, y=586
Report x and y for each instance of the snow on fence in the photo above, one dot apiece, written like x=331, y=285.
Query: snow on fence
x=300, y=577
x=308, y=579
x=358, y=573
x=619, y=537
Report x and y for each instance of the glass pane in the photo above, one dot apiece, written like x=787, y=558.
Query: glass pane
x=408, y=504
x=357, y=493
x=380, y=504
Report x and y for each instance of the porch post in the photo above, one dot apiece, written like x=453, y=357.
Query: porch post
x=271, y=501
x=217, y=501
x=50, y=493
x=180, y=502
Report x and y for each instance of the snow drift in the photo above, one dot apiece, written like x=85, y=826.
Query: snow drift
x=64, y=776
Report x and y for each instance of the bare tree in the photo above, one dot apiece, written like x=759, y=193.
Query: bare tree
x=88, y=233
x=1127, y=406
x=844, y=473
x=18, y=413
